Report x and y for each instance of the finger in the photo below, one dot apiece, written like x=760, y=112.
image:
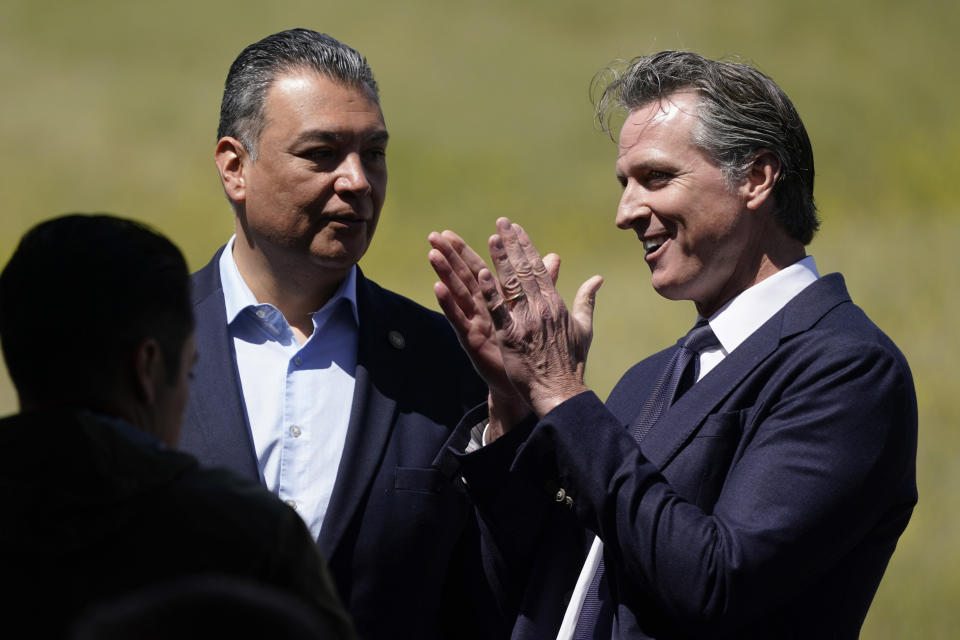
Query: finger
x=495, y=302
x=464, y=272
x=518, y=275
x=470, y=257
x=584, y=303
x=451, y=309
x=467, y=297
x=514, y=270
x=552, y=262
x=506, y=280
x=539, y=271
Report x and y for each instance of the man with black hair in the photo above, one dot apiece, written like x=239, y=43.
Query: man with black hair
x=97, y=333
x=333, y=392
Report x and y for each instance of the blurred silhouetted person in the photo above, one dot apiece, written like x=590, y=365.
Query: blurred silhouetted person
x=97, y=332
x=201, y=608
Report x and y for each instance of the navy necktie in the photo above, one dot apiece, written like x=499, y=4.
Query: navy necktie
x=596, y=615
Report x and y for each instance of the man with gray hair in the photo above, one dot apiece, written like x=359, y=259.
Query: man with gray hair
x=750, y=481
x=333, y=392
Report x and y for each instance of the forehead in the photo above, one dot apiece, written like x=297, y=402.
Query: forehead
x=301, y=97
x=663, y=126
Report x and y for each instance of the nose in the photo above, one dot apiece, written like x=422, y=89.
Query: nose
x=632, y=210
x=351, y=175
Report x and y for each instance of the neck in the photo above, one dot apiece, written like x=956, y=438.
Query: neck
x=778, y=252
x=295, y=291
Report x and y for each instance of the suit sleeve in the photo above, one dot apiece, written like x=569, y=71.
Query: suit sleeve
x=531, y=549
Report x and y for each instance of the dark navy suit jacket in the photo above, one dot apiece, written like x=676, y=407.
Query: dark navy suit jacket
x=400, y=539
x=765, y=503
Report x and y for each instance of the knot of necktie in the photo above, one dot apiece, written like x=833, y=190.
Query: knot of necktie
x=700, y=338
x=666, y=389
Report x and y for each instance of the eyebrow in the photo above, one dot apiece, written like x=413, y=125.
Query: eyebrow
x=322, y=135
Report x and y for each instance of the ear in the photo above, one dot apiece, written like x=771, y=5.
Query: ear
x=231, y=158
x=760, y=179
x=149, y=370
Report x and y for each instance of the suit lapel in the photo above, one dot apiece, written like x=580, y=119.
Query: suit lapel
x=372, y=417
x=681, y=420
x=678, y=423
x=220, y=414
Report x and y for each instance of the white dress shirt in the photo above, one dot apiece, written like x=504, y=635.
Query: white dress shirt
x=732, y=324
x=297, y=398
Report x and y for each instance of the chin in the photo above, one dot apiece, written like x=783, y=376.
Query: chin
x=338, y=261
x=663, y=286
x=671, y=290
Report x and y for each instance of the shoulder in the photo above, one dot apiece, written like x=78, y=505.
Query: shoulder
x=847, y=358
x=217, y=500
x=401, y=334
x=392, y=301
x=838, y=330
x=426, y=327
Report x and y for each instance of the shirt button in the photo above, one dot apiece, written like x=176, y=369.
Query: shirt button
x=295, y=431
x=261, y=313
x=291, y=503
x=561, y=494
x=298, y=361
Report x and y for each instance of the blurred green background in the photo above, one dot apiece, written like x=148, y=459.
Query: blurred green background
x=112, y=106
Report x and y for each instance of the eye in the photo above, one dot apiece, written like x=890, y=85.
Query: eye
x=375, y=154
x=319, y=155
x=655, y=178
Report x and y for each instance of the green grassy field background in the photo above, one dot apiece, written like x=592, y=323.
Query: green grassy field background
x=112, y=106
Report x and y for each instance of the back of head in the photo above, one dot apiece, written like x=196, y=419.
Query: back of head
x=741, y=112
x=257, y=66
x=79, y=293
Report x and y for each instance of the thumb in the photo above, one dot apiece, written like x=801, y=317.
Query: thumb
x=584, y=302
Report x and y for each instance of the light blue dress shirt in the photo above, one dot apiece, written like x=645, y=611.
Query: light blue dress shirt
x=297, y=398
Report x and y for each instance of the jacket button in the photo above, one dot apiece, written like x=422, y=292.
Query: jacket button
x=561, y=494
x=396, y=339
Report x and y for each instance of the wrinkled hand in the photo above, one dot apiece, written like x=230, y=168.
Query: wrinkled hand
x=543, y=346
x=458, y=292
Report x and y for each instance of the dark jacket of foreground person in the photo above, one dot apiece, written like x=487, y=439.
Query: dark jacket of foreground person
x=96, y=509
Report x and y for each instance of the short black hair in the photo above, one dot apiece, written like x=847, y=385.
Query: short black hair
x=256, y=68
x=79, y=293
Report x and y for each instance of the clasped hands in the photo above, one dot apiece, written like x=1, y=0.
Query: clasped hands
x=529, y=349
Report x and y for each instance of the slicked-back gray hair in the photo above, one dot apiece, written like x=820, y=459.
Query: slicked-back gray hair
x=257, y=66
x=741, y=112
